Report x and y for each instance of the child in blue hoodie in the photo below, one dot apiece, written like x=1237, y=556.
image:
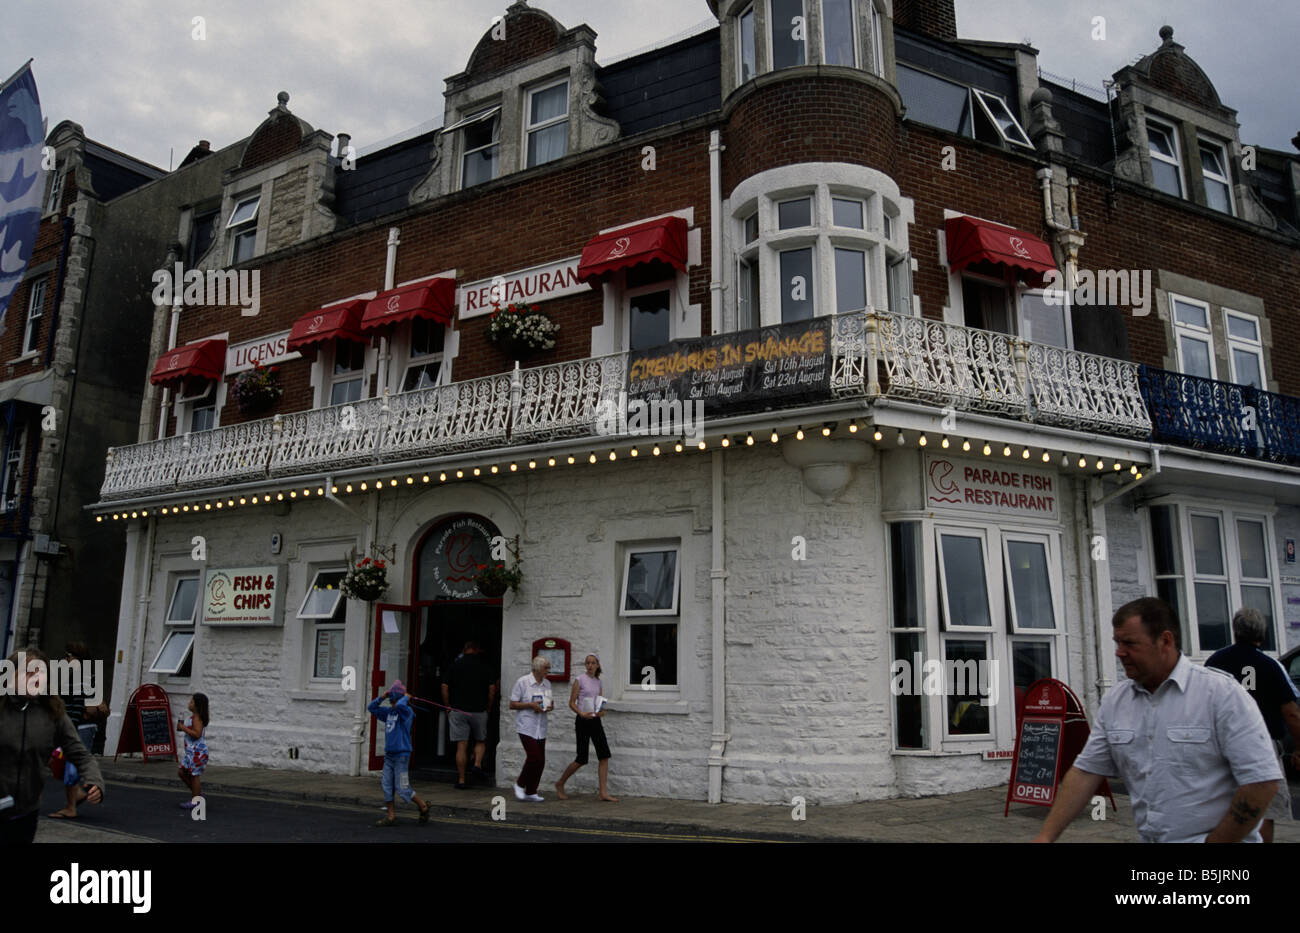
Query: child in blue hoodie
x=396, y=718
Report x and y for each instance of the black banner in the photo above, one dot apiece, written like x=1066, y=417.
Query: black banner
x=752, y=370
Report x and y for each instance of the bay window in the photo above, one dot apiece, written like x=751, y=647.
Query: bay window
x=1207, y=563
x=796, y=285
x=984, y=601
x=746, y=46
x=788, y=28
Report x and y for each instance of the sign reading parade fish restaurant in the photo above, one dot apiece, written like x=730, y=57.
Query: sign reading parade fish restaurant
x=750, y=370
x=990, y=486
x=242, y=596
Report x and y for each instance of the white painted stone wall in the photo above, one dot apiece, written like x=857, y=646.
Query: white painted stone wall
x=808, y=704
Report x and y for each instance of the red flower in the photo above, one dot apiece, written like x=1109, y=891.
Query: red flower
x=379, y=563
x=364, y=561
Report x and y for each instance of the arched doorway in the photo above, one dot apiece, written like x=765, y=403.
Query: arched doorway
x=423, y=638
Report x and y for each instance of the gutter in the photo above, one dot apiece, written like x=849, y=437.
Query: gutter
x=718, y=577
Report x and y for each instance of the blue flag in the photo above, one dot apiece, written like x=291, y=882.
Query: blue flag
x=22, y=179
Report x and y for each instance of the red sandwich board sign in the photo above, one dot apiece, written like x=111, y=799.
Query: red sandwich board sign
x=147, y=725
x=1051, y=731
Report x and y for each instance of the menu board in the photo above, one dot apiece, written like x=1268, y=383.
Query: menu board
x=750, y=370
x=156, y=730
x=1037, y=759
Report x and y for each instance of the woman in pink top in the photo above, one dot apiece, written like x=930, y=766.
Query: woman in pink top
x=583, y=699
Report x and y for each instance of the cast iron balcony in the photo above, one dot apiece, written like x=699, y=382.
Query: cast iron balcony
x=1221, y=416
x=873, y=354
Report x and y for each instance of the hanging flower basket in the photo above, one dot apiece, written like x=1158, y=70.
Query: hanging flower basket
x=366, y=580
x=520, y=331
x=494, y=579
x=257, y=389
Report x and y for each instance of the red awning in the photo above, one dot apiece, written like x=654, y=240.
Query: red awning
x=663, y=239
x=434, y=299
x=203, y=359
x=335, y=322
x=972, y=241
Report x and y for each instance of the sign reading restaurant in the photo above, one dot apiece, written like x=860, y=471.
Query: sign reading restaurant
x=540, y=283
x=242, y=596
x=990, y=487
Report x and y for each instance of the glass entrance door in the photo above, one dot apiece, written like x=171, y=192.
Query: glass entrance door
x=392, y=661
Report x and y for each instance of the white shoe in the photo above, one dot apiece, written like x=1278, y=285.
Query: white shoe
x=519, y=793
x=535, y=798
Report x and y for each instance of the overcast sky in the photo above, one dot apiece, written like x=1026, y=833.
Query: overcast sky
x=132, y=74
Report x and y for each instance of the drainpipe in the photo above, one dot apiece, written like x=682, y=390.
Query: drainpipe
x=360, y=718
x=390, y=270
x=718, y=575
x=171, y=345
x=715, y=231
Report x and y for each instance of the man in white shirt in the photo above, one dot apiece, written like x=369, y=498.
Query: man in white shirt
x=531, y=696
x=1188, y=741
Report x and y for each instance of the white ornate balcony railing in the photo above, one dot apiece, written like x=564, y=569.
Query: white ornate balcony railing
x=874, y=354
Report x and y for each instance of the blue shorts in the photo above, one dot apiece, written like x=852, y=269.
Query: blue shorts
x=396, y=778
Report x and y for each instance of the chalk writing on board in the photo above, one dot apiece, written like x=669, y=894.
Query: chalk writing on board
x=1039, y=742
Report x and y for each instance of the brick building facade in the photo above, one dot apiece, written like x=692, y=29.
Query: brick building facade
x=867, y=184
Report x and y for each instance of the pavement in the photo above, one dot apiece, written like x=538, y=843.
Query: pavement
x=971, y=816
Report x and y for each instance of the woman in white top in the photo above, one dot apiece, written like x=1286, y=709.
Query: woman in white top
x=531, y=696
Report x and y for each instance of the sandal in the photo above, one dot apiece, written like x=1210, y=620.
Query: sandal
x=386, y=821
x=424, y=814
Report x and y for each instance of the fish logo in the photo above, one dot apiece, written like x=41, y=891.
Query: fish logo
x=620, y=248
x=316, y=322
x=941, y=481
x=1018, y=247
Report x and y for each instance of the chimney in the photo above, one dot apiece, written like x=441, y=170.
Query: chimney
x=345, y=140
x=201, y=151
x=934, y=18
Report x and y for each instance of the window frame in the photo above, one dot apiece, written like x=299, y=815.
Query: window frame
x=865, y=254
x=491, y=112
x=1228, y=515
x=1254, y=347
x=771, y=36
x=316, y=624
x=646, y=548
x=1193, y=332
x=877, y=40
x=531, y=128
x=178, y=629
x=14, y=467
x=334, y=378
x=945, y=621
x=35, y=313
x=53, y=203
x=1054, y=583
x=740, y=44
x=853, y=35
x=1067, y=315
x=239, y=231
x=176, y=591
x=665, y=285
x=999, y=638
x=1204, y=143
x=410, y=360
x=985, y=99
x=1169, y=132
x=185, y=654
x=312, y=587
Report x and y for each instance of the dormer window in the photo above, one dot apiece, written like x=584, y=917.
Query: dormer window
x=482, y=146
x=1214, y=170
x=1000, y=121
x=789, y=33
x=839, y=27
x=1166, y=167
x=242, y=228
x=967, y=111
x=548, y=123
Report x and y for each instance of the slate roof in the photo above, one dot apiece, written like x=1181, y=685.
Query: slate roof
x=664, y=86
x=381, y=182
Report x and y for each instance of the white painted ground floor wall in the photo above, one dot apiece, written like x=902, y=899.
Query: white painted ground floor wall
x=808, y=650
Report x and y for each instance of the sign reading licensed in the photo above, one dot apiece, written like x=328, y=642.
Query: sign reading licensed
x=265, y=350
x=540, y=283
x=242, y=596
x=990, y=487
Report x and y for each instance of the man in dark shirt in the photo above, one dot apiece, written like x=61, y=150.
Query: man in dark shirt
x=470, y=689
x=1271, y=689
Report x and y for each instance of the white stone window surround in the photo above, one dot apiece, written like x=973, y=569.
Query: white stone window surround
x=183, y=405
x=1171, y=286
x=824, y=181
x=298, y=655
x=624, y=692
x=172, y=567
x=259, y=183
x=399, y=344
x=529, y=128
x=612, y=334
x=994, y=533
x=1229, y=512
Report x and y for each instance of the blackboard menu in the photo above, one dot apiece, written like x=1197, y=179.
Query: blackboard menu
x=750, y=370
x=156, y=730
x=1040, y=741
